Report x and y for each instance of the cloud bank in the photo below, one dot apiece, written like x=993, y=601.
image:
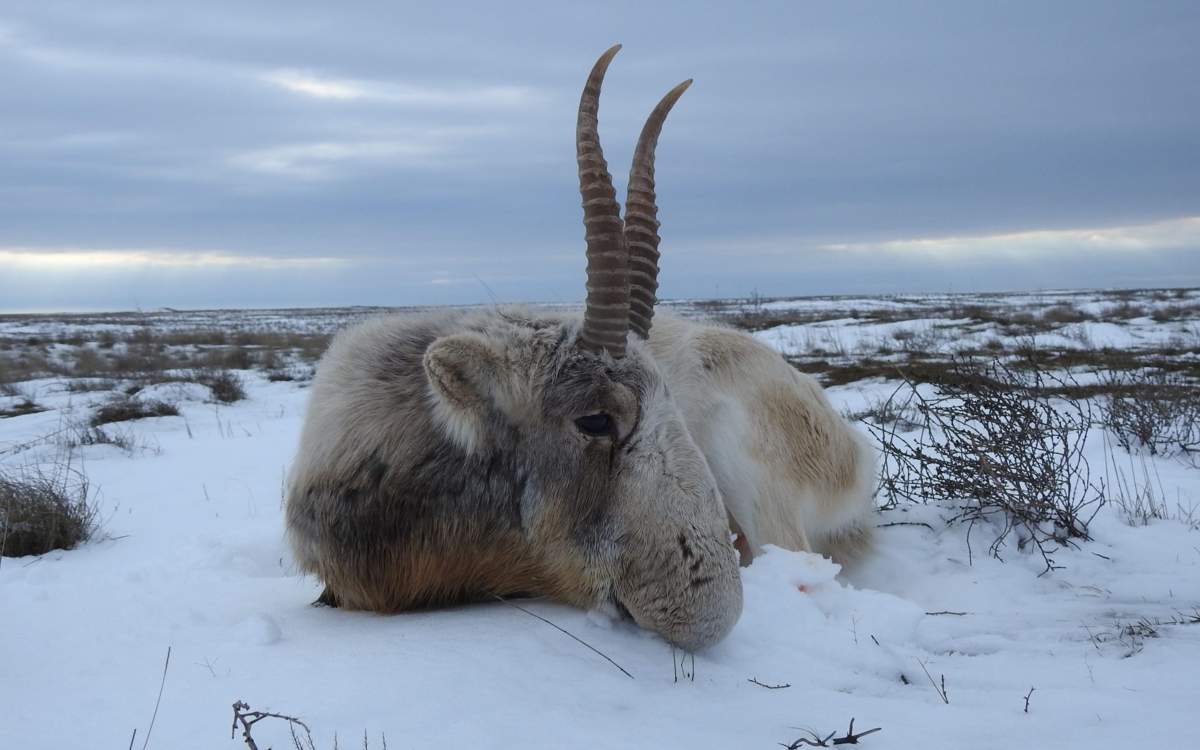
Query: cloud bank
x=274, y=153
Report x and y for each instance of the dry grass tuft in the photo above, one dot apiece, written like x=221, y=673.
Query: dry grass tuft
x=1062, y=314
x=124, y=409
x=42, y=511
x=20, y=409
x=225, y=385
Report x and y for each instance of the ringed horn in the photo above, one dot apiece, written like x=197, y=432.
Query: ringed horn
x=622, y=256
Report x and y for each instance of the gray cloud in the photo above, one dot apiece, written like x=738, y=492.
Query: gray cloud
x=429, y=149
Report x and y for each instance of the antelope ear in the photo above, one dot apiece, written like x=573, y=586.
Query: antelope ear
x=464, y=371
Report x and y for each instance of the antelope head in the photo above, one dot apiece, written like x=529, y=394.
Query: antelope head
x=622, y=505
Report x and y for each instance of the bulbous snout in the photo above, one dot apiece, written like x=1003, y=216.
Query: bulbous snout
x=687, y=586
x=677, y=571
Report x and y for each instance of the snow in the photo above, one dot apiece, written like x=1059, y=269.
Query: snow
x=193, y=559
x=851, y=336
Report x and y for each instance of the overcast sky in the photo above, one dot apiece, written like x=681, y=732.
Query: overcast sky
x=228, y=153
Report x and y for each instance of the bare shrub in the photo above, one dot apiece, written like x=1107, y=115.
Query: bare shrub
x=225, y=385
x=1027, y=348
x=887, y=413
x=1124, y=311
x=313, y=347
x=21, y=408
x=997, y=445
x=142, y=360
x=1018, y=322
x=301, y=736
x=236, y=358
x=267, y=359
x=712, y=307
x=1152, y=410
x=89, y=385
x=124, y=409
x=42, y=511
x=88, y=363
x=1168, y=313
x=1064, y=314
x=27, y=364
x=84, y=436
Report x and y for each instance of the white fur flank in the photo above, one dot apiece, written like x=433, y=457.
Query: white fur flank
x=718, y=377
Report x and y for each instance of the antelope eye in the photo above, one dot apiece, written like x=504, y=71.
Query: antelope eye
x=595, y=425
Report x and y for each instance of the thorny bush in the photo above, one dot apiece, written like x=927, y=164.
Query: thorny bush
x=1153, y=410
x=1000, y=447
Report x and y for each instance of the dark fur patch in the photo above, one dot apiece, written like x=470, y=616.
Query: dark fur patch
x=685, y=547
x=376, y=472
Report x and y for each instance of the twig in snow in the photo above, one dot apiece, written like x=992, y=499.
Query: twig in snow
x=680, y=665
x=815, y=740
x=903, y=523
x=162, y=683
x=572, y=635
x=769, y=687
x=247, y=718
x=1027, y=698
x=941, y=691
x=948, y=612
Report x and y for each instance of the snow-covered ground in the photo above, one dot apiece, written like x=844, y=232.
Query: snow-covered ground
x=191, y=558
x=954, y=323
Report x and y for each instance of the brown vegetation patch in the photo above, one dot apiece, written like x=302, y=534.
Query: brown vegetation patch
x=226, y=386
x=40, y=512
x=124, y=409
x=20, y=409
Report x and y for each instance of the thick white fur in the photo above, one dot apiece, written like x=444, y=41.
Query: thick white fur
x=792, y=472
x=790, y=469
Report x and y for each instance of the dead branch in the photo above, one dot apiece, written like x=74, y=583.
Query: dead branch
x=1027, y=695
x=1152, y=410
x=246, y=718
x=903, y=523
x=769, y=687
